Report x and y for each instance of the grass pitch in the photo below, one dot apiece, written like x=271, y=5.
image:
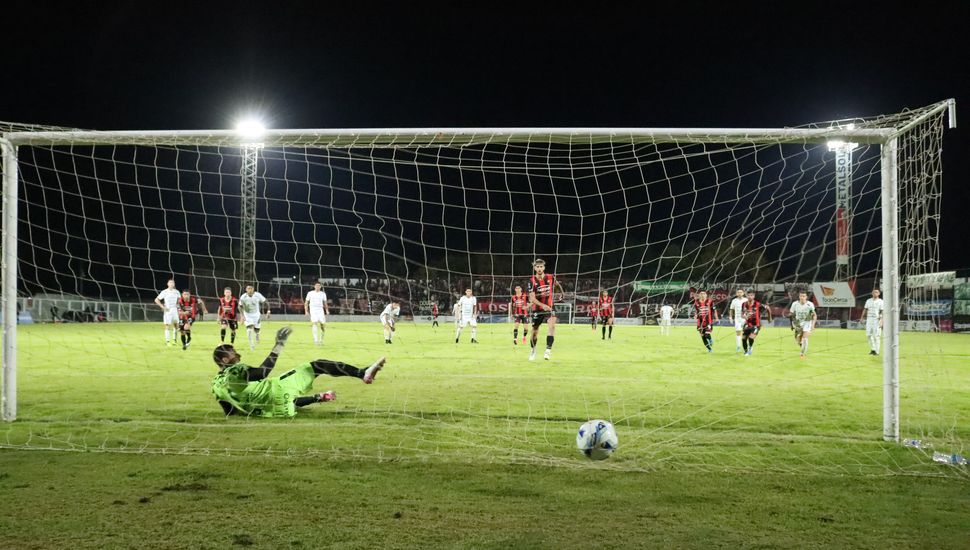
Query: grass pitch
x=119, y=443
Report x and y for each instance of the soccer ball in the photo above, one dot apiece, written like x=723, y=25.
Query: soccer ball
x=597, y=439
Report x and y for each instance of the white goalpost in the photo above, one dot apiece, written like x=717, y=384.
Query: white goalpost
x=621, y=204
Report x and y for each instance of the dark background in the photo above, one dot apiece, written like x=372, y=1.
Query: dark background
x=182, y=65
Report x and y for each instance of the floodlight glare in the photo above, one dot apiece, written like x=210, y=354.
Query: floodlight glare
x=250, y=128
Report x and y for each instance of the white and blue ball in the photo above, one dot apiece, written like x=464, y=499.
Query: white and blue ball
x=597, y=439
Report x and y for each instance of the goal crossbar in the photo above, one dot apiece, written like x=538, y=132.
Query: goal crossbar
x=449, y=137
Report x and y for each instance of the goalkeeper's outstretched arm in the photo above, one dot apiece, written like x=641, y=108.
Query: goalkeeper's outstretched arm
x=262, y=371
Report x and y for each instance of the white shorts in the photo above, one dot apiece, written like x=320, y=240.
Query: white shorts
x=739, y=323
x=251, y=319
x=386, y=322
x=317, y=316
x=805, y=327
x=664, y=322
x=465, y=322
x=872, y=329
x=171, y=317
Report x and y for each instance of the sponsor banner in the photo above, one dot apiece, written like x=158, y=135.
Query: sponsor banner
x=929, y=308
x=961, y=291
x=961, y=325
x=660, y=287
x=941, y=279
x=828, y=323
x=856, y=325
x=834, y=294
x=961, y=307
x=917, y=326
x=946, y=325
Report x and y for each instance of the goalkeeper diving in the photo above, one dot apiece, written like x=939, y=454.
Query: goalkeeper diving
x=244, y=390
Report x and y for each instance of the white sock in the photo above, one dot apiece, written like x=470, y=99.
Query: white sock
x=387, y=334
x=316, y=333
x=168, y=337
x=252, y=338
x=323, y=330
x=457, y=334
x=878, y=344
x=474, y=331
x=804, y=346
x=737, y=340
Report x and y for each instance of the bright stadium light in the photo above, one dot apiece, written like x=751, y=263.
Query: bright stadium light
x=836, y=144
x=251, y=128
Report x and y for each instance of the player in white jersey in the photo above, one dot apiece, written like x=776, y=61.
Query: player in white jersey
x=803, y=318
x=666, y=314
x=873, y=317
x=388, y=318
x=316, y=307
x=735, y=312
x=168, y=301
x=468, y=309
x=251, y=305
x=456, y=312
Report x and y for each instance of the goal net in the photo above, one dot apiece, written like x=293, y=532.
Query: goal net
x=96, y=223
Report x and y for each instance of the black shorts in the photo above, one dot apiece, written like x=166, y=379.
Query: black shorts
x=231, y=323
x=751, y=329
x=705, y=329
x=539, y=317
x=521, y=319
x=604, y=320
x=186, y=323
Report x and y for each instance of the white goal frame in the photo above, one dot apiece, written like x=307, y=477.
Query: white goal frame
x=886, y=138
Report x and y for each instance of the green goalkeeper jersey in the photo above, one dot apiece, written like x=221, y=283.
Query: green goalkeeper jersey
x=233, y=386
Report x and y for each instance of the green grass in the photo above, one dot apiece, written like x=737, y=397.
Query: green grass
x=119, y=443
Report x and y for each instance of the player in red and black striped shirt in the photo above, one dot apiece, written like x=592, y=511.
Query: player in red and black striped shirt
x=228, y=306
x=519, y=312
x=541, y=287
x=434, y=314
x=606, y=313
x=187, y=308
x=752, y=324
x=704, y=313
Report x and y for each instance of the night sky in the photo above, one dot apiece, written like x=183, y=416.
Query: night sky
x=182, y=65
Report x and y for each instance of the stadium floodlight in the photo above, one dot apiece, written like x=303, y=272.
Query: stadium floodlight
x=251, y=128
x=838, y=144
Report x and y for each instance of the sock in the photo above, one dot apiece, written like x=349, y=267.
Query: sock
x=387, y=335
x=751, y=343
x=549, y=341
x=804, y=346
x=183, y=338
x=188, y=337
x=457, y=334
x=256, y=330
x=323, y=330
x=515, y=334
x=222, y=335
x=604, y=332
x=610, y=335
x=744, y=343
x=737, y=339
x=316, y=333
x=878, y=344
x=168, y=336
x=252, y=338
x=707, y=341
x=232, y=337
x=474, y=332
